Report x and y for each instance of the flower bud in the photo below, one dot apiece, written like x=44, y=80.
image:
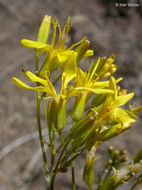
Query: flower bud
x=111, y=132
x=88, y=173
x=123, y=151
x=81, y=126
x=82, y=49
x=138, y=157
x=124, y=159
x=79, y=107
x=111, y=149
x=61, y=115
x=44, y=29
x=52, y=113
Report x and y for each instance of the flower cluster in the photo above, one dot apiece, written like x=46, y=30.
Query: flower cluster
x=97, y=113
x=105, y=118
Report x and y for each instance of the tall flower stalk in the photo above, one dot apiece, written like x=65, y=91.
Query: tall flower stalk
x=102, y=120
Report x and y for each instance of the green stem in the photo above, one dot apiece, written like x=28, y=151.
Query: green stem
x=61, y=138
x=52, y=181
x=134, y=186
x=39, y=123
x=60, y=157
x=73, y=175
x=52, y=150
x=40, y=134
x=36, y=62
x=107, y=174
x=51, y=137
x=45, y=113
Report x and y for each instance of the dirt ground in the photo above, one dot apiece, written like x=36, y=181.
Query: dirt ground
x=110, y=29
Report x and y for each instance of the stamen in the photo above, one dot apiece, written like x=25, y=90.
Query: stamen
x=74, y=45
x=54, y=33
x=68, y=26
x=59, y=38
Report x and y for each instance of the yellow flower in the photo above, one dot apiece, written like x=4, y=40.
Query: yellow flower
x=59, y=100
x=44, y=85
x=56, y=53
x=105, y=121
x=110, y=110
x=88, y=82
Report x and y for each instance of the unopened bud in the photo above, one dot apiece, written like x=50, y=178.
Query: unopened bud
x=79, y=107
x=116, y=153
x=124, y=151
x=111, y=149
x=124, y=159
x=61, y=115
x=82, y=49
x=44, y=29
x=88, y=173
x=109, y=162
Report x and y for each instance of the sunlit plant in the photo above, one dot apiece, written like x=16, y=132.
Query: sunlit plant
x=92, y=124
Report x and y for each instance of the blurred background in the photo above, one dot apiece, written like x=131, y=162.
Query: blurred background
x=110, y=28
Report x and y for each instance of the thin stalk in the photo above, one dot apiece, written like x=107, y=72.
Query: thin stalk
x=60, y=157
x=107, y=174
x=39, y=122
x=61, y=138
x=52, y=149
x=134, y=186
x=59, y=147
x=51, y=138
x=52, y=181
x=73, y=175
x=68, y=155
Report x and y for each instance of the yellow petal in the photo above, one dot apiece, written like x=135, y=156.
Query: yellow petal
x=89, y=53
x=123, y=116
x=112, y=85
x=49, y=87
x=63, y=56
x=103, y=84
x=122, y=100
x=25, y=86
x=69, y=70
x=34, y=45
x=35, y=78
x=95, y=90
